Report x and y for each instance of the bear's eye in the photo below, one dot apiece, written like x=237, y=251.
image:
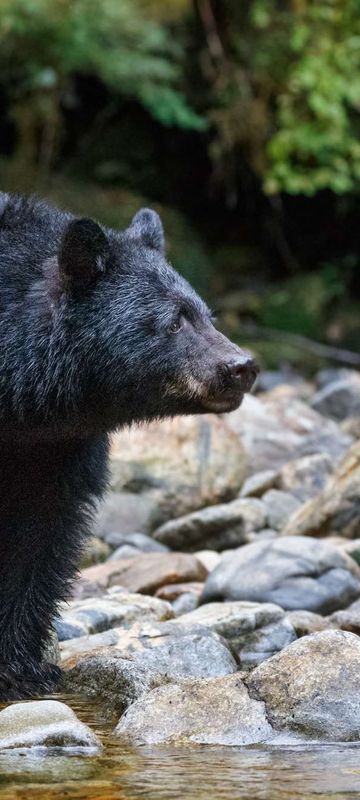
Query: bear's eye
x=175, y=326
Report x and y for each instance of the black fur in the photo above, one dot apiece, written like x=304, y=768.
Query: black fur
x=97, y=331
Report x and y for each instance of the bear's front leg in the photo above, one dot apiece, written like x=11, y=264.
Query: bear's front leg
x=46, y=494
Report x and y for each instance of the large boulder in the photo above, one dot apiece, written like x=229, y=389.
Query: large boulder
x=218, y=712
x=293, y=572
x=144, y=656
x=170, y=468
x=335, y=510
x=45, y=723
x=313, y=687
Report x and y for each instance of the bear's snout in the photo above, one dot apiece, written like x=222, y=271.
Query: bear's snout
x=242, y=370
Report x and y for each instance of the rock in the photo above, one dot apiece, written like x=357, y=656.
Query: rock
x=293, y=572
x=175, y=590
x=178, y=465
x=277, y=429
x=216, y=527
x=209, y=558
x=218, y=712
x=44, y=723
x=256, y=485
x=82, y=617
x=124, y=551
x=333, y=374
x=313, y=687
x=146, y=573
x=184, y=603
x=156, y=652
x=348, y=619
x=95, y=552
x=305, y=622
x=340, y=398
x=351, y=427
x=255, y=630
x=140, y=542
x=279, y=507
x=124, y=512
x=335, y=510
x=305, y=477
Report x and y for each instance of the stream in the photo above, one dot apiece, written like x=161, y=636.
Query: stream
x=178, y=772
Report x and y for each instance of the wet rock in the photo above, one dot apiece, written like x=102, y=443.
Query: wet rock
x=164, y=650
x=348, y=619
x=278, y=428
x=95, y=552
x=146, y=573
x=204, y=712
x=256, y=485
x=305, y=477
x=255, y=630
x=293, y=572
x=177, y=465
x=313, y=687
x=44, y=723
x=340, y=398
x=279, y=508
x=139, y=542
x=216, y=527
x=111, y=610
x=335, y=510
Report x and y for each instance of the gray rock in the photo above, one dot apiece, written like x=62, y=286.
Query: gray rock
x=279, y=507
x=278, y=428
x=215, y=527
x=124, y=512
x=174, y=467
x=184, y=603
x=139, y=541
x=111, y=610
x=293, y=572
x=336, y=509
x=313, y=687
x=218, y=712
x=147, y=655
x=44, y=723
x=339, y=399
x=348, y=619
x=305, y=477
x=256, y=485
x=255, y=630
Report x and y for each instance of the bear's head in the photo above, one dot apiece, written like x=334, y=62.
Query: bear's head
x=146, y=340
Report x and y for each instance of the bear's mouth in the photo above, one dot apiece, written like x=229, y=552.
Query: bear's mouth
x=223, y=404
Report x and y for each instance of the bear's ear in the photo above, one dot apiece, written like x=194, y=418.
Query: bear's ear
x=147, y=226
x=83, y=255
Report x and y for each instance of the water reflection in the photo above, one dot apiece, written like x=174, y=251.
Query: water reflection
x=180, y=773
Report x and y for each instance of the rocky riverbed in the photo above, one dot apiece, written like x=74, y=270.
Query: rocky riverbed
x=219, y=602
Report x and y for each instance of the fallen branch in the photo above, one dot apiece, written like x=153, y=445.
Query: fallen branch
x=302, y=342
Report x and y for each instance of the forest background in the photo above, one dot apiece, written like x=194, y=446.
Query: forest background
x=238, y=120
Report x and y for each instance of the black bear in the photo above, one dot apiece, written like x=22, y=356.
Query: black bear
x=97, y=331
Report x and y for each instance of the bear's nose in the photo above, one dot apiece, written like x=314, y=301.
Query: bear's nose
x=243, y=369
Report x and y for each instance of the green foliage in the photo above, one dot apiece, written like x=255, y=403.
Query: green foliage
x=286, y=93
x=44, y=42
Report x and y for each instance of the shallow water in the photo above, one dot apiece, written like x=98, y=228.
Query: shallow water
x=179, y=773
